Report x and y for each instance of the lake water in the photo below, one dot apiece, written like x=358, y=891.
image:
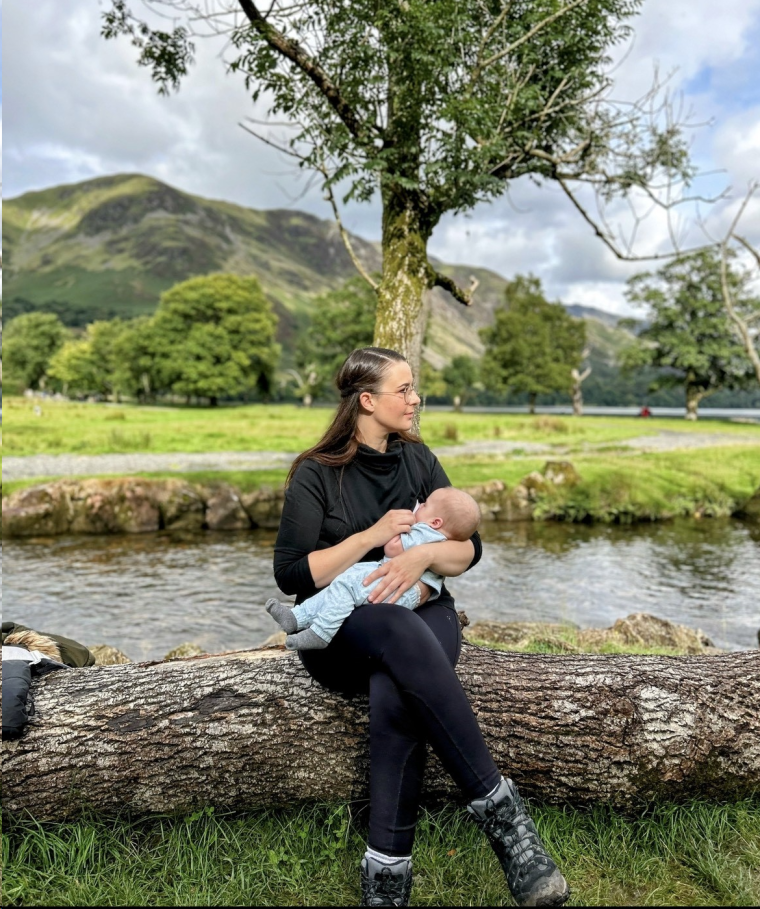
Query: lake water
x=147, y=593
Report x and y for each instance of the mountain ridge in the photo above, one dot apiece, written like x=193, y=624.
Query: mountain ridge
x=111, y=245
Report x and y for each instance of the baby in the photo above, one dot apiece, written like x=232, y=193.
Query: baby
x=448, y=514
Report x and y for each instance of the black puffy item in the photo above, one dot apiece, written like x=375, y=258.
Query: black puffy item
x=17, y=699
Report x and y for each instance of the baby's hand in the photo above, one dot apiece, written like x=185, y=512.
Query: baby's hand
x=393, y=547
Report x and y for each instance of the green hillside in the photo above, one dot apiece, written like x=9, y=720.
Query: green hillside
x=110, y=246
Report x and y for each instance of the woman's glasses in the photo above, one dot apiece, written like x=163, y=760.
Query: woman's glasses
x=408, y=393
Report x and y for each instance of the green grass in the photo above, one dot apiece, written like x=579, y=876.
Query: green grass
x=698, y=854
x=66, y=426
x=710, y=482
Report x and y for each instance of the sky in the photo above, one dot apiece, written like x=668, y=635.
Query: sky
x=77, y=107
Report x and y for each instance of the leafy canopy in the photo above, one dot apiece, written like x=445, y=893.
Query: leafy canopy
x=533, y=344
x=88, y=365
x=441, y=100
x=343, y=320
x=688, y=331
x=460, y=376
x=213, y=336
x=29, y=341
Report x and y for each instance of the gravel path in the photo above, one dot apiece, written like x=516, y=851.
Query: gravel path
x=124, y=464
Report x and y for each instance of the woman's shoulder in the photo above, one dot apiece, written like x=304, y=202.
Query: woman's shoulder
x=420, y=452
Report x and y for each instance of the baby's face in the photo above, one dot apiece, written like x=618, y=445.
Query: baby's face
x=428, y=510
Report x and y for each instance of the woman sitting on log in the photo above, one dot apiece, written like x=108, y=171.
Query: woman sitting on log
x=345, y=499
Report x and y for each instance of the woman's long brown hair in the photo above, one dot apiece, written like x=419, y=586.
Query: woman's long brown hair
x=363, y=370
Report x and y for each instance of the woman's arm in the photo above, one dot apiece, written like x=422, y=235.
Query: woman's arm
x=299, y=566
x=448, y=558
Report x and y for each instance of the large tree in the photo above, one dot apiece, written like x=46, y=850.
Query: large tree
x=29, y=342
x=534, y=345
x=436, y=106
x=88, y=365
x=213, y=336
x=460, y=376
x=688, y=332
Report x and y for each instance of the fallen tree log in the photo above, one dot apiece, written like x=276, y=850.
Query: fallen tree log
x=252, y=729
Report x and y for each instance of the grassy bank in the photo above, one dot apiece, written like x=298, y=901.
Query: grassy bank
x=698, y=854
x=68, y=427
x=616, y=487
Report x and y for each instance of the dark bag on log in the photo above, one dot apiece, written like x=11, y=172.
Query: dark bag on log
x=28, y=654
x=18, y=705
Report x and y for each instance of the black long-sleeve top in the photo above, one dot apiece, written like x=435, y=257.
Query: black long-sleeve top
x=325, y=505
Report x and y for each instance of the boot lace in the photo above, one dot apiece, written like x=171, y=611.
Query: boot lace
x=386, y=889
x=515, y=840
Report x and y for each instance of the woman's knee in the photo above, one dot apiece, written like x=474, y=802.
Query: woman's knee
x=404, y=632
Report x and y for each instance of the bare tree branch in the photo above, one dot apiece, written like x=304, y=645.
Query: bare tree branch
x=342, y=230
x=741, y=324
x=460, y=294
x=523, y=39
x=293, y=51
x=750, y=249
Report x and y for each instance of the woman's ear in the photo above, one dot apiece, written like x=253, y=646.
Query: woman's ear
x=365, y=401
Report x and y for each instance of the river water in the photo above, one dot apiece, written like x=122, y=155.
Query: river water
x=147, y=593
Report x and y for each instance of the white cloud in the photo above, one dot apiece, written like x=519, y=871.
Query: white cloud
x=77, y=106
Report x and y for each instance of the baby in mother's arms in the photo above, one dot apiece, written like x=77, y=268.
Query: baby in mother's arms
x=448, y=514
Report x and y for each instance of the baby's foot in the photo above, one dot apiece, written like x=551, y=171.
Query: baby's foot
x=305, y=640
x=283, y=615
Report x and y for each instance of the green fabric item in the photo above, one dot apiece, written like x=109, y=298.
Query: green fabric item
x=72, y=652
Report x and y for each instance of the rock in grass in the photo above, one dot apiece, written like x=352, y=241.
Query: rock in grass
x=106, y=655
x=749, y=510
x=187, y=649
x=224, y=510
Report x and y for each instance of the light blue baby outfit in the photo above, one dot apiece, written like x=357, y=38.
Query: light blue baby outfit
x=326, y=611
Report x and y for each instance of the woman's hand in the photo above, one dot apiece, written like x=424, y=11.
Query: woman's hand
x=398, y=520
x=398, y=574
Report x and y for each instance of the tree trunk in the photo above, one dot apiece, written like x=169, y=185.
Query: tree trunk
x=577, y=400
x=532, y=403
x=252, y=729
x=693, y=397
x=402, y=297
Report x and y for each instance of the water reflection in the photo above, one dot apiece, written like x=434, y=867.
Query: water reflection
x=147, y=593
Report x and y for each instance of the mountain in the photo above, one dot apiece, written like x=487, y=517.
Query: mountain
x=110, y=246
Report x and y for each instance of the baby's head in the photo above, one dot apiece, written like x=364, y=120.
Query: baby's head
x=453, y=512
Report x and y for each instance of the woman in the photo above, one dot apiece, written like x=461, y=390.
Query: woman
x=346, y=497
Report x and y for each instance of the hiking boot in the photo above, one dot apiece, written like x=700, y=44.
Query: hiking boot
x=386, y=885
x=532, y=876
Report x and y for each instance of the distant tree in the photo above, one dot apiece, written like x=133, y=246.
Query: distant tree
x=576, y=385
x=432, y=384
x=746, y=324
x=533, y=345
x=688, y=331
x=435, y=107
x=29, y=342
x=88, y=365
x=343, y=320
x=305, y=384
x=135, y=360
x=213, y=336
x=460, y=376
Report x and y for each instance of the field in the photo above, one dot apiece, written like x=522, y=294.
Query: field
x=64, y=426
x=618, y=483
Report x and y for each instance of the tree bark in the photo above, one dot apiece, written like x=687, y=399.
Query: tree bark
x=693, y=397
x=402, y=295
x=252, y=729
x=532, y=403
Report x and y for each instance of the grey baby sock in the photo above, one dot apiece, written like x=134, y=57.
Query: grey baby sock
x=283, y=615
x=305, y=640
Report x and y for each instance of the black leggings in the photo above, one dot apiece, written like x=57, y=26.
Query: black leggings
x=406, y=659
